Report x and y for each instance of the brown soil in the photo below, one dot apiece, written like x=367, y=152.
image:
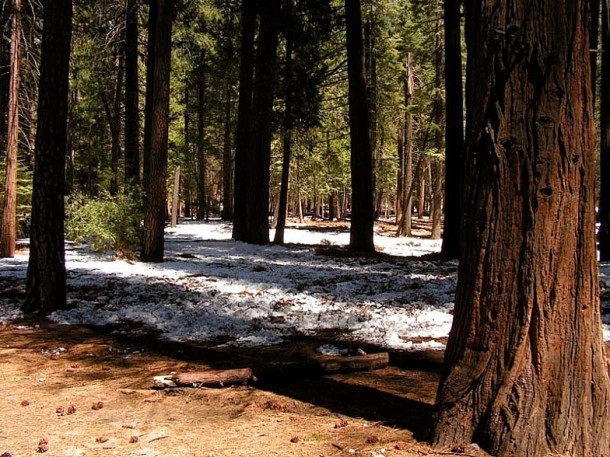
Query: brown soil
x=89, y=393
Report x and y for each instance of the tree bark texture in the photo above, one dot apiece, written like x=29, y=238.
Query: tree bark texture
x=46, y=276
x=157, y=123
x=361, y=159
x=525, y=372
x=132, y=108
x=244, y=117
x=454, y=129
x=257, y=198
x=8, y=230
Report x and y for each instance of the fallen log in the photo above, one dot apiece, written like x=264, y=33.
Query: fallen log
x=212, y=378
x=342, y=364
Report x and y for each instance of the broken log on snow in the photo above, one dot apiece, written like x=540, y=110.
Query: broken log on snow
x=311, y=366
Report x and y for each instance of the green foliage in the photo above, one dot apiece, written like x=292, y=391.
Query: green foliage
x=106, y=222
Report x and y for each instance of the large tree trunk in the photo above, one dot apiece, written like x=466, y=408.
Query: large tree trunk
x=156, y=128
x=132, y=108
x=243, y=145
x=454, y=129
x=257, y=198
x=363, y=218
x=8, y=230
x=525, y=372
x=46, y=276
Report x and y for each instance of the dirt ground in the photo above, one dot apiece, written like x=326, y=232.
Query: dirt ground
x=74, y=391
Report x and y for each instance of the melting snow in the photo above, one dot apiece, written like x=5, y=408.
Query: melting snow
x=213, y=289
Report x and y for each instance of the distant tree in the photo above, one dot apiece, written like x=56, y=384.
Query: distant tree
x=156, y=127
x=132, y=88
x=46, y=276
x=363, y=218
x=8, y=229
x=525, y=372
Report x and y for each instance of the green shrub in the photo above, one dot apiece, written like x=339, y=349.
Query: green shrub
x=106, y=222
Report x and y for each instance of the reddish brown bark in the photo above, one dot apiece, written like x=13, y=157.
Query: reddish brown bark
x=525, y=371
x=8, y=230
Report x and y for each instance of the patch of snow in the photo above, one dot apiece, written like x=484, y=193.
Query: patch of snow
x=213, y=289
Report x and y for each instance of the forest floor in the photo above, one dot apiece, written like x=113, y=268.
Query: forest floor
x=78, y=391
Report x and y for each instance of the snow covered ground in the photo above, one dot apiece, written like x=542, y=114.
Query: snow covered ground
x=213, y=289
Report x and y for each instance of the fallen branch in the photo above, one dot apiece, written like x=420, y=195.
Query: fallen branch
x=311, y=366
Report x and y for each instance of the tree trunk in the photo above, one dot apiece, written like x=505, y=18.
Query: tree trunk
x=132, y=108
x=436, y=166
x=288, y=81
x=5, y=76
x=405, y=195
x=176, y=197
x=257, y=198
x=201, y=166
x=361, y=230
x=244, y=118
x=46, y=276
x=525, y=372
x=114, y=119
x=227, y=161
x=454, y=129
x=156, y=128
x=8, y=230
x=421, y=201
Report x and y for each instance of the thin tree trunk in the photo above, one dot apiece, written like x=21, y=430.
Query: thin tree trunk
x=157, y=123
x=46, y=276
x=8, y=230
x=114, y=119
x=5, y=77
x=362, y=224
x=525, y=372
x=244, y=118
x=201, y=167
x=406, y=188
x=436, y=166
x=421, y=202
x=132, y=108
x=227, y=161
x=454, y=129
x=176, y=197
x=283, y=198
